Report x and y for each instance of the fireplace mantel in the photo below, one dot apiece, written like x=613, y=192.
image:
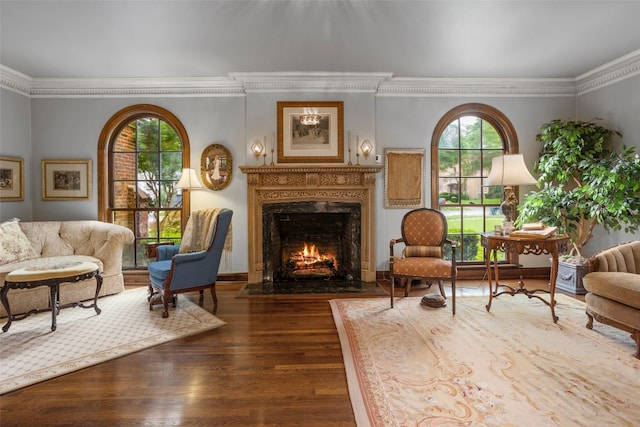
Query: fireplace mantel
x=282, y=184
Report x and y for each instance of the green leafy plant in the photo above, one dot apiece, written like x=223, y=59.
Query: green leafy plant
x=583, y=182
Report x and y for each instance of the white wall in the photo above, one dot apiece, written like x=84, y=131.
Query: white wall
x=15, y=141
x=618, y=105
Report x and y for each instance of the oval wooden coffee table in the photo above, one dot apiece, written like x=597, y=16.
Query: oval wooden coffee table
x=50, y=273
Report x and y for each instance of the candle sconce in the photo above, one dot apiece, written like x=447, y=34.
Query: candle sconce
x=256, y=148
x=366, y=148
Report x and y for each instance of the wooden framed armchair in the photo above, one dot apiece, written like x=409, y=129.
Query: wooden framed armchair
x=424, y=233
x=193, y=265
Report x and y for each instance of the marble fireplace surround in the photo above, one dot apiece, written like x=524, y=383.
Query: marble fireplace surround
x=301, y=183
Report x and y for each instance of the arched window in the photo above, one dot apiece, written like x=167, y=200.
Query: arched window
x=463, y=144
x=141, y=153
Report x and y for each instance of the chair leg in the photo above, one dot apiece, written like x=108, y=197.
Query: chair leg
x=393, y=282
x=453, y=294
x=166, y=296
x=213, y=295
x=407, y=287
x=442, y=289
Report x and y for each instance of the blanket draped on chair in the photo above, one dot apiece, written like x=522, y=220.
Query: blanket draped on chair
x=199, y=232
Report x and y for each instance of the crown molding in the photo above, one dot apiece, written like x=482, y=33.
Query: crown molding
x=15, y=81
x=477, y=87
x=310, y=82
x=611, y=72
x=380, y=84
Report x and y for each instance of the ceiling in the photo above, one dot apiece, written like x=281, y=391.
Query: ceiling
x=418, y=38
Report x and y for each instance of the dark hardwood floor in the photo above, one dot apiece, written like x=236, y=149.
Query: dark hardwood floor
x=276, y=362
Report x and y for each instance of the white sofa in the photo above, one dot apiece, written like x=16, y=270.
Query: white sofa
x=87, y=240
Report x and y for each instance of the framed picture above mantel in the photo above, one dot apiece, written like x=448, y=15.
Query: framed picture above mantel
x=310, y=132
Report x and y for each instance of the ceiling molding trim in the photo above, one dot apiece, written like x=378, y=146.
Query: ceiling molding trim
x=15, y=81
x=116, y=87
x=612, y=72
x=479, y=87
x=310, y=81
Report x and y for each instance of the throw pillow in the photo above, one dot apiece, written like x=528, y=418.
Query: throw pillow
x=14, y=245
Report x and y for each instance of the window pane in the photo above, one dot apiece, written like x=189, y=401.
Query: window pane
x=148, y=166
x=146, y=224
x=147, y=194
x=450, y=137
x=147, y=135
x=490, y=137
x=492, y=195
x=125, y=166
x=493, y=217
x=472, y=191
x=171, y=166
x=168, y=197
x=448, y=161
x=470, y=162
x=470, y=132
x=170, y=140
x=123, y=194
x=170, y=225
x=449, y=190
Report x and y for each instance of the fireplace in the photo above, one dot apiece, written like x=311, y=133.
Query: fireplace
x=311, y=241
x=329, y=207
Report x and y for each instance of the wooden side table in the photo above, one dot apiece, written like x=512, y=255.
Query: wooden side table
x=492, y=243
x=50, y=274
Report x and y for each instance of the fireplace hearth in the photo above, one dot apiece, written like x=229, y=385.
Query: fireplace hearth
x=329, y=207
x=311, y=241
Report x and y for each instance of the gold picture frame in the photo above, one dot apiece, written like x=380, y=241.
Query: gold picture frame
x=216, y=167
x=11, y=179
x=404, y=175
x=66, y=179
x=321, y=142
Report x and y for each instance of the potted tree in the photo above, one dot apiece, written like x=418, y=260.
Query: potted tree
x=584, y=182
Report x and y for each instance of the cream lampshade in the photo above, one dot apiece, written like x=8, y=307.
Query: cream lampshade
x=188, y=180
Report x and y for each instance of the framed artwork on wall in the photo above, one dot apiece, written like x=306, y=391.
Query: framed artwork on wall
x=310, y=132
x=66, y=179
x=216, y=166
x=404, y=174
x=11, y=179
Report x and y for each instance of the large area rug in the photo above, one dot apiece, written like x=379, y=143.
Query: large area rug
x=418, y=366
x=32, y=353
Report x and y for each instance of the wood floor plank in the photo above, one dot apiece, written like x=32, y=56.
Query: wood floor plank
x=276, y=362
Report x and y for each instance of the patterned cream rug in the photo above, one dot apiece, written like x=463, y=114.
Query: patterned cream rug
x=32, y=353
x=418, y=366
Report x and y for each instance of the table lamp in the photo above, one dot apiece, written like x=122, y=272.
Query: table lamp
x=188, y=180
x=509, y=171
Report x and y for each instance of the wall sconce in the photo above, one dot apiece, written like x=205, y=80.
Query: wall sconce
x=366, y=148
x=188, y=180
x=256, y=148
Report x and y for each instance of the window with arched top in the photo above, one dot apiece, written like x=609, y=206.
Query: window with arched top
x=141, y=153
x=464, y=141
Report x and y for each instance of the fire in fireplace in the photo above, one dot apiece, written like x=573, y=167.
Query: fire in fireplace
x=311, y=241
x=310, y=262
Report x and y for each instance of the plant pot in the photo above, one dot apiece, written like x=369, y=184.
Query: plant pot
x=570, y=277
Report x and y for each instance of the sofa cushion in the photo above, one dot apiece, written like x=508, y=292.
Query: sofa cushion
x=621, y=287
x=14, y=245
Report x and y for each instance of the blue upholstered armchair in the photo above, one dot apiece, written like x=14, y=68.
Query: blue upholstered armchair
x=194, y=264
